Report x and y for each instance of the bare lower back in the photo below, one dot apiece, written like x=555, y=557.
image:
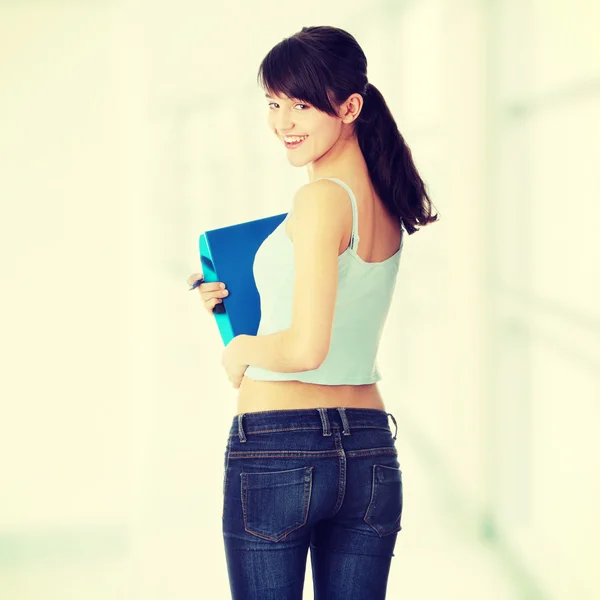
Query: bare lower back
x=256, y=396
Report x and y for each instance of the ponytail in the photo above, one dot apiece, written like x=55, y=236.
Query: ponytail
x=390, y=163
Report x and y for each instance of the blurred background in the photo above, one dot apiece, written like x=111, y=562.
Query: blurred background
x=127, y=128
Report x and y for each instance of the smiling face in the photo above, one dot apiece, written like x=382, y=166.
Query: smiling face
x=289, y=117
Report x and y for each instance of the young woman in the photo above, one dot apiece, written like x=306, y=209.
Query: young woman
x=311, y=460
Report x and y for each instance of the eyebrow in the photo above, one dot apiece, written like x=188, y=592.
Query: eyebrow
x=271, y=98
x=267, y=96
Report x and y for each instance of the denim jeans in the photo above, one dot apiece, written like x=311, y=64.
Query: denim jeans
x=328, y=479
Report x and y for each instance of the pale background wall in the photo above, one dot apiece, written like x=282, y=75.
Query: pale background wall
x=117, y=121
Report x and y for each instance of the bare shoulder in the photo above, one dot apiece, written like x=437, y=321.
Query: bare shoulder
x=318, y=205
x=320, y=190
x=322, y=199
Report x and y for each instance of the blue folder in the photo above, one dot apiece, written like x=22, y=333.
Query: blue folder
x=227, y=254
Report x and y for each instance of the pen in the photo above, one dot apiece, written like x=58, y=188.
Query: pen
x=196, y=284
x=219, y=308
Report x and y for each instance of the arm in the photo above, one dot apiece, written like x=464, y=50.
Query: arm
x=319, y=211
x=275, y=351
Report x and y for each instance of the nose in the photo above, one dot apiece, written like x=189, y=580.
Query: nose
x=283, y=122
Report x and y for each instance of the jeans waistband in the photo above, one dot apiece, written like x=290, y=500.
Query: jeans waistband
x=325, y=419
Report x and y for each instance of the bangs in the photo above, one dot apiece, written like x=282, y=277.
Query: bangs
x=290, y=69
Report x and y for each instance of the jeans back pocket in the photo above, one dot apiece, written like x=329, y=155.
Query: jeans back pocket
x=275, y=503
x=384, y=512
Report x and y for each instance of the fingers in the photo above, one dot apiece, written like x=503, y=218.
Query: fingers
x=236, y=381
x=207, y=292
x=194, y=277
x=214, y=287
x=211, y=293
x=210, y=304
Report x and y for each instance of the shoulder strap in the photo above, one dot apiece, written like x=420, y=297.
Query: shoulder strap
x=355, y=237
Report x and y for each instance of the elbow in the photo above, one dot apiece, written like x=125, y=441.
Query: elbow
x=310, y=356
x=313, y=362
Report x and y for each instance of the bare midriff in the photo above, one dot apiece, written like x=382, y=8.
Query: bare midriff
x=254, y=395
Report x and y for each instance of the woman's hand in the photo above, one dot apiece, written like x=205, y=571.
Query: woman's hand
x=210, y=293
x=235, y=369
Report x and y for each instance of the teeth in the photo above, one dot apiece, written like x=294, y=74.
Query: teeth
x=295, y=139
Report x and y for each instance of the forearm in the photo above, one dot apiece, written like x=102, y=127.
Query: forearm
x=277, y=351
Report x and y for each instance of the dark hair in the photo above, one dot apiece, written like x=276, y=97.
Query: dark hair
x=318, y=64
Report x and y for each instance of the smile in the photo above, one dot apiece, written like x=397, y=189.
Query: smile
x=298, y=141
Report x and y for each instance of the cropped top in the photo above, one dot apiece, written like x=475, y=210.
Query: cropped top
x=362, y=304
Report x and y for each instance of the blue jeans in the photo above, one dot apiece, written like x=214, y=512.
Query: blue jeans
x=325, y=478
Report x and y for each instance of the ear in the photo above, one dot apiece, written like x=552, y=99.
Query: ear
x=351, y=108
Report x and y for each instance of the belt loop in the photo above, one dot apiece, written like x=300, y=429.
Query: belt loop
x=342, y=411
x=241, y=428
x=324, y=421
x=396, y=424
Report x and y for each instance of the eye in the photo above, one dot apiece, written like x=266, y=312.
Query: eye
x=299, y=104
